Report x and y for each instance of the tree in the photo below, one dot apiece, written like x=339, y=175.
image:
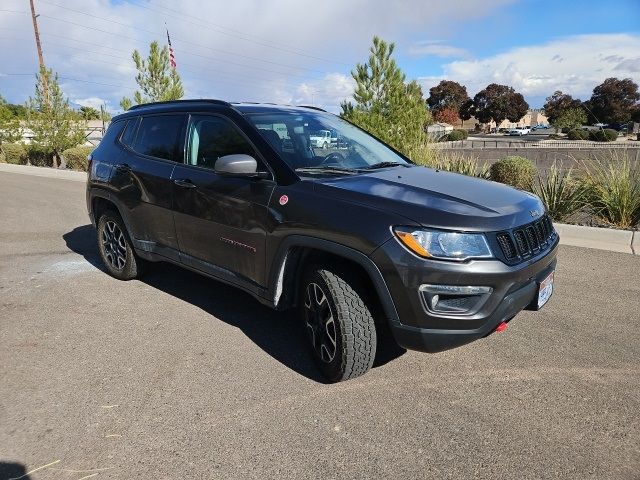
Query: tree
x=89, y=113
x=447, y=115
x=466, y=110
x=570, y=118
x=385, y=105
x=156, y=78
x=447, y=94
x=557, y=104
x=55, y=125
x=499, y=102
x=10, y=130
x=614, y=101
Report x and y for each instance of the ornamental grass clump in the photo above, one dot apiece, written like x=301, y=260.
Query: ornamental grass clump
x=560, y=191
x=612, y=189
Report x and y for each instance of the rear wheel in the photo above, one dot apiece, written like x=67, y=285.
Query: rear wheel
x=339, y=324
x=115, y=248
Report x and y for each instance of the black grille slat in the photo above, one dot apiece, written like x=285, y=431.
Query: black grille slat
x=507, y=246
x=527, y=240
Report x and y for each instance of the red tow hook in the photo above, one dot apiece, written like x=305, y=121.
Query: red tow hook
x=502, y=326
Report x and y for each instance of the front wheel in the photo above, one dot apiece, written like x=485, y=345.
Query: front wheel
x=339, y=324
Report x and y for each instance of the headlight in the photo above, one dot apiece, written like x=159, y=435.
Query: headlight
x=444, y=245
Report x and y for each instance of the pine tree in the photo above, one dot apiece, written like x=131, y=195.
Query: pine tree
x=157, y=80
x=55, y=125
x=385, y=105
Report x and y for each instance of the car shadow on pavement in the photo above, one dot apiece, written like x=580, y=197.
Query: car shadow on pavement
x=279, y=334
x=13, y=471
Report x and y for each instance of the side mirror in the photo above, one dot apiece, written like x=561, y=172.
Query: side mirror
x=239, y=165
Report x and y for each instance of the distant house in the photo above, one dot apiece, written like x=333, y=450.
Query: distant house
x=531, y=119
x=437, y=130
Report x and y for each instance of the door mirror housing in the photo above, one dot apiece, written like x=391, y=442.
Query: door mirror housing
x=239, y=165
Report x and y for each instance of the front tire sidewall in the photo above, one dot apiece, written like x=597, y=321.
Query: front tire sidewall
x=130, y=268
x=354, y=324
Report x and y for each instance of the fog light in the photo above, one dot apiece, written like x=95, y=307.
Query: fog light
x=453, y=299
x=434, y=301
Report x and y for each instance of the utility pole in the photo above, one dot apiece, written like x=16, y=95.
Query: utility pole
x=39, y=47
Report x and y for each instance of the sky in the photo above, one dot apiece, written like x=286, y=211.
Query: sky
x=302, y=52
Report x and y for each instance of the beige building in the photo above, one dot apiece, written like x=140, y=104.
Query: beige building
x=531, y=119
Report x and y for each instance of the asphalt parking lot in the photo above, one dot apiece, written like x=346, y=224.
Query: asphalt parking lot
x=177, y=376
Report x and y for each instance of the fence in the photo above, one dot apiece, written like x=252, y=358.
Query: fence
x=577, y=145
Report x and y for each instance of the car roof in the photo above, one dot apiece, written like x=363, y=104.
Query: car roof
x=206, y=104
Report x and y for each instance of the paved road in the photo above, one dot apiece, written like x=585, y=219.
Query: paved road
x=176, y=376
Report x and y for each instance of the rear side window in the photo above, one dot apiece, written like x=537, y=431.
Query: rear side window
x=112, y=132
x=159, y=136
x=129, y=134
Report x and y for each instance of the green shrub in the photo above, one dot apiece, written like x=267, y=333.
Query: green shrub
x=578, y=134
x=76, y=157
x=39, y=156
x=13, y=153
x=518, y=172
x=612, y=189
x=606, y=135
x=560, y=192
x=457, y=135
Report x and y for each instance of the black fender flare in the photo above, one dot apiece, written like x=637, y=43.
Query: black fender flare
x=290, y=243
x=106, y=195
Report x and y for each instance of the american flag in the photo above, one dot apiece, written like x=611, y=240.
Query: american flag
x=172, y=58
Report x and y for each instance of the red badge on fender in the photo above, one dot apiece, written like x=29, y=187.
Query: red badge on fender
x=283, y=200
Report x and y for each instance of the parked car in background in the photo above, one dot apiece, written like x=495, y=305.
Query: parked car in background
x=320, y=139
x=540, y=127
x=519, y=131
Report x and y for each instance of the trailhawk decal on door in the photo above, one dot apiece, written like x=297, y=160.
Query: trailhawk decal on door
x=238, y=244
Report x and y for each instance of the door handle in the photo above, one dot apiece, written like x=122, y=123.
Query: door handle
x=123, y=167
x=184, y=183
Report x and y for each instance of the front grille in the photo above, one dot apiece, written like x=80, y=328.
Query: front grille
x=523, y=242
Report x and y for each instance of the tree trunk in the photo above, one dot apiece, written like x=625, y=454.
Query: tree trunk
x=55, y=160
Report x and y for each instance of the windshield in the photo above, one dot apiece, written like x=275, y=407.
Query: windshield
x=316, y=140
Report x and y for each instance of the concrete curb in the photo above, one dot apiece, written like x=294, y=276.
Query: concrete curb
x=624, y=241
x=44, y=172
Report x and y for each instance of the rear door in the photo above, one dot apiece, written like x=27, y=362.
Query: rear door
x=142, y=179
x=220, y=221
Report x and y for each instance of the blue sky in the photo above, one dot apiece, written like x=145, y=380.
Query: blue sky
x=301, y=51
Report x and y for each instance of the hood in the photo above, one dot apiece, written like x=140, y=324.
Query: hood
x=434, y=198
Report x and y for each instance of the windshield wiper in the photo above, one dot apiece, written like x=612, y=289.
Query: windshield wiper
x=326, y=170
x=386, y=164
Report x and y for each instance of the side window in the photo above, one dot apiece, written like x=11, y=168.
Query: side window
x=113, y=132
x=158, y=136
x=130, y=130
x=213, y=137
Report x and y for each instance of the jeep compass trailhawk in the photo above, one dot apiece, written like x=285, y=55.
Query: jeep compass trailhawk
x=351, y=233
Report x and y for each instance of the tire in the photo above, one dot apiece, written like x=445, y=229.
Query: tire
x=115, y=249
x=332, y=307
x=325, y=146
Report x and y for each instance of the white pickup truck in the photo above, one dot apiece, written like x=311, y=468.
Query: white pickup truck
x=320, y=139
x=519, y=131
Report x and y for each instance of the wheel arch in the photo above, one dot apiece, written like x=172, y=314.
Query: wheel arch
x=102, y=201
x=297, y=252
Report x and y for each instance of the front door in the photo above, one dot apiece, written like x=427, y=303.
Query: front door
x=220, y=221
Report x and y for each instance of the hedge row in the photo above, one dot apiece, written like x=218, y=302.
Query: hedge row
x=606, y=135
x=19, y=154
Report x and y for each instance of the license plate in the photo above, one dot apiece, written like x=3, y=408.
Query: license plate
x=545, y=290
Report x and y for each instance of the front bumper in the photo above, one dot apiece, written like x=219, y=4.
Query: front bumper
x=514, y=288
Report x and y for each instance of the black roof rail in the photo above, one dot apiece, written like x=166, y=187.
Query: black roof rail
x=177, y=102
x=311, y=106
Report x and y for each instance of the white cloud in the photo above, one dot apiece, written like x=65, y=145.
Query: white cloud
x=438, y=49
x=93, y=102
x=249, y=50
x=573, y=64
